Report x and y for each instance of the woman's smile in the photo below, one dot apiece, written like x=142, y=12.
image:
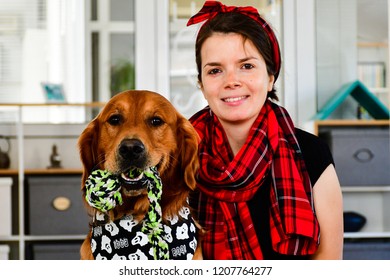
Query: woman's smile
x=235, y=99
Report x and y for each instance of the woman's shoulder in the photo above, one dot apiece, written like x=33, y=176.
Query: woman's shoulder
x=309, y=140
x=316, y=153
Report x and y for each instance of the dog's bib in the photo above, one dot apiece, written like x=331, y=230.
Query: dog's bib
x=123, y=239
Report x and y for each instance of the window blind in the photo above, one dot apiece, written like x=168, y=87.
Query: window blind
x=15, y=17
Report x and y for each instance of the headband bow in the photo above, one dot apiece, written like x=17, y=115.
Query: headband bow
x=212, y=8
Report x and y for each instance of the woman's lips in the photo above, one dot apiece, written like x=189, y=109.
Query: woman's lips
x=234, y=99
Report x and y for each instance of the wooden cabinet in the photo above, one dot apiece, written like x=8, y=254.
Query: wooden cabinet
x=34, y=217
x=370, y=200
x=363, y=193
x=31, y=146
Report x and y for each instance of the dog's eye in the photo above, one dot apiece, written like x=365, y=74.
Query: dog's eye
x=156, y=121
x=115, y=119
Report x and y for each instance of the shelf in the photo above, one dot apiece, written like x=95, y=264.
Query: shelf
x=352, y=122
x=4, y=238
x=88, y=104
x=370, y=201
x=367, y=235
x=356, y=122
x=372, y=45
x=9, y=238
x=56, y=171
x=30, y=150
x=358, y=189
x=54, y=237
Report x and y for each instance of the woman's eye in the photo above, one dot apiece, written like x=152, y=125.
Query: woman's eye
x=214, y=71
x=115, y=119
x=247, y=66
x=156, y=121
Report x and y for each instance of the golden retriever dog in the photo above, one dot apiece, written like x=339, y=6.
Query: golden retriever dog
x=140, y=129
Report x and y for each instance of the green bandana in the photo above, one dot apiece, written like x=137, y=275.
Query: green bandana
x=103, y=193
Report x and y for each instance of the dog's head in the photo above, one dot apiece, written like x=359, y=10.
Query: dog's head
x=136, y=130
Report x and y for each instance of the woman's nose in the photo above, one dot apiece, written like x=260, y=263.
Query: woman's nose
x=232, y=79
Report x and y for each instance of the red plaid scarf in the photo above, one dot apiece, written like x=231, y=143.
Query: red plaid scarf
x=227, y=182
x=212, y=8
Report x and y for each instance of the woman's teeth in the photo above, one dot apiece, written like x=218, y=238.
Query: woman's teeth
x=234, y=99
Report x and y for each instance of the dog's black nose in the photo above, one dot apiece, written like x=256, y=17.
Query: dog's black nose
x=131, y=149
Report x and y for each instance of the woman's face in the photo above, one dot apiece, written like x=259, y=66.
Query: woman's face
x=234, y=76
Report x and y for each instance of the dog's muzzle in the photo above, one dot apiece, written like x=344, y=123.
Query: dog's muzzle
x=133, y=181
x=132, y=152
x=132, y=160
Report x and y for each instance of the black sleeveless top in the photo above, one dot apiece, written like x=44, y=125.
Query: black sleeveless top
x=317, y=157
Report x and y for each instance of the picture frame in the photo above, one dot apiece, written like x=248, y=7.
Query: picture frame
x=54, y=93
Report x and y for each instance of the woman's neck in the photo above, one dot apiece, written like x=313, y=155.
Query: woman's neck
x=237, y=134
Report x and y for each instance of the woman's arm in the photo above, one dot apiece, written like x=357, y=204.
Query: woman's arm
x=328, y=203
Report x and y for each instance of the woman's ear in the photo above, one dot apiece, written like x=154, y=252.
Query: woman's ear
x=271, y=82
x=200, y=86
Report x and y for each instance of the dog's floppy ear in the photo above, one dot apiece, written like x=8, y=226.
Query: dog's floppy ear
x=188, y=141
x=87, y=144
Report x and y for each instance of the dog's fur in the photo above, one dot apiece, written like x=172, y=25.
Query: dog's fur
x=142, y=129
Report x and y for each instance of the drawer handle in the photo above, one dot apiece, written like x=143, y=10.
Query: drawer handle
x=61, y=203
x=363, y=155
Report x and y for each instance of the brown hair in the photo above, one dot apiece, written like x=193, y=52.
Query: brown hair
x=246, y=27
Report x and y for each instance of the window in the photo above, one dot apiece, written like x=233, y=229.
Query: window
x=22, y=22
x=110, y=47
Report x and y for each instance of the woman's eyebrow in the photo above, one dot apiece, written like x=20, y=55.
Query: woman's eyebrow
x=247, y=58
x=212, y=64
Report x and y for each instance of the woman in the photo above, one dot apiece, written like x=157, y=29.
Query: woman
x=266, y=189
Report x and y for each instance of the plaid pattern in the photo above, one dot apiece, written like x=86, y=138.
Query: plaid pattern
x=227, y=182
x=212, y=8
